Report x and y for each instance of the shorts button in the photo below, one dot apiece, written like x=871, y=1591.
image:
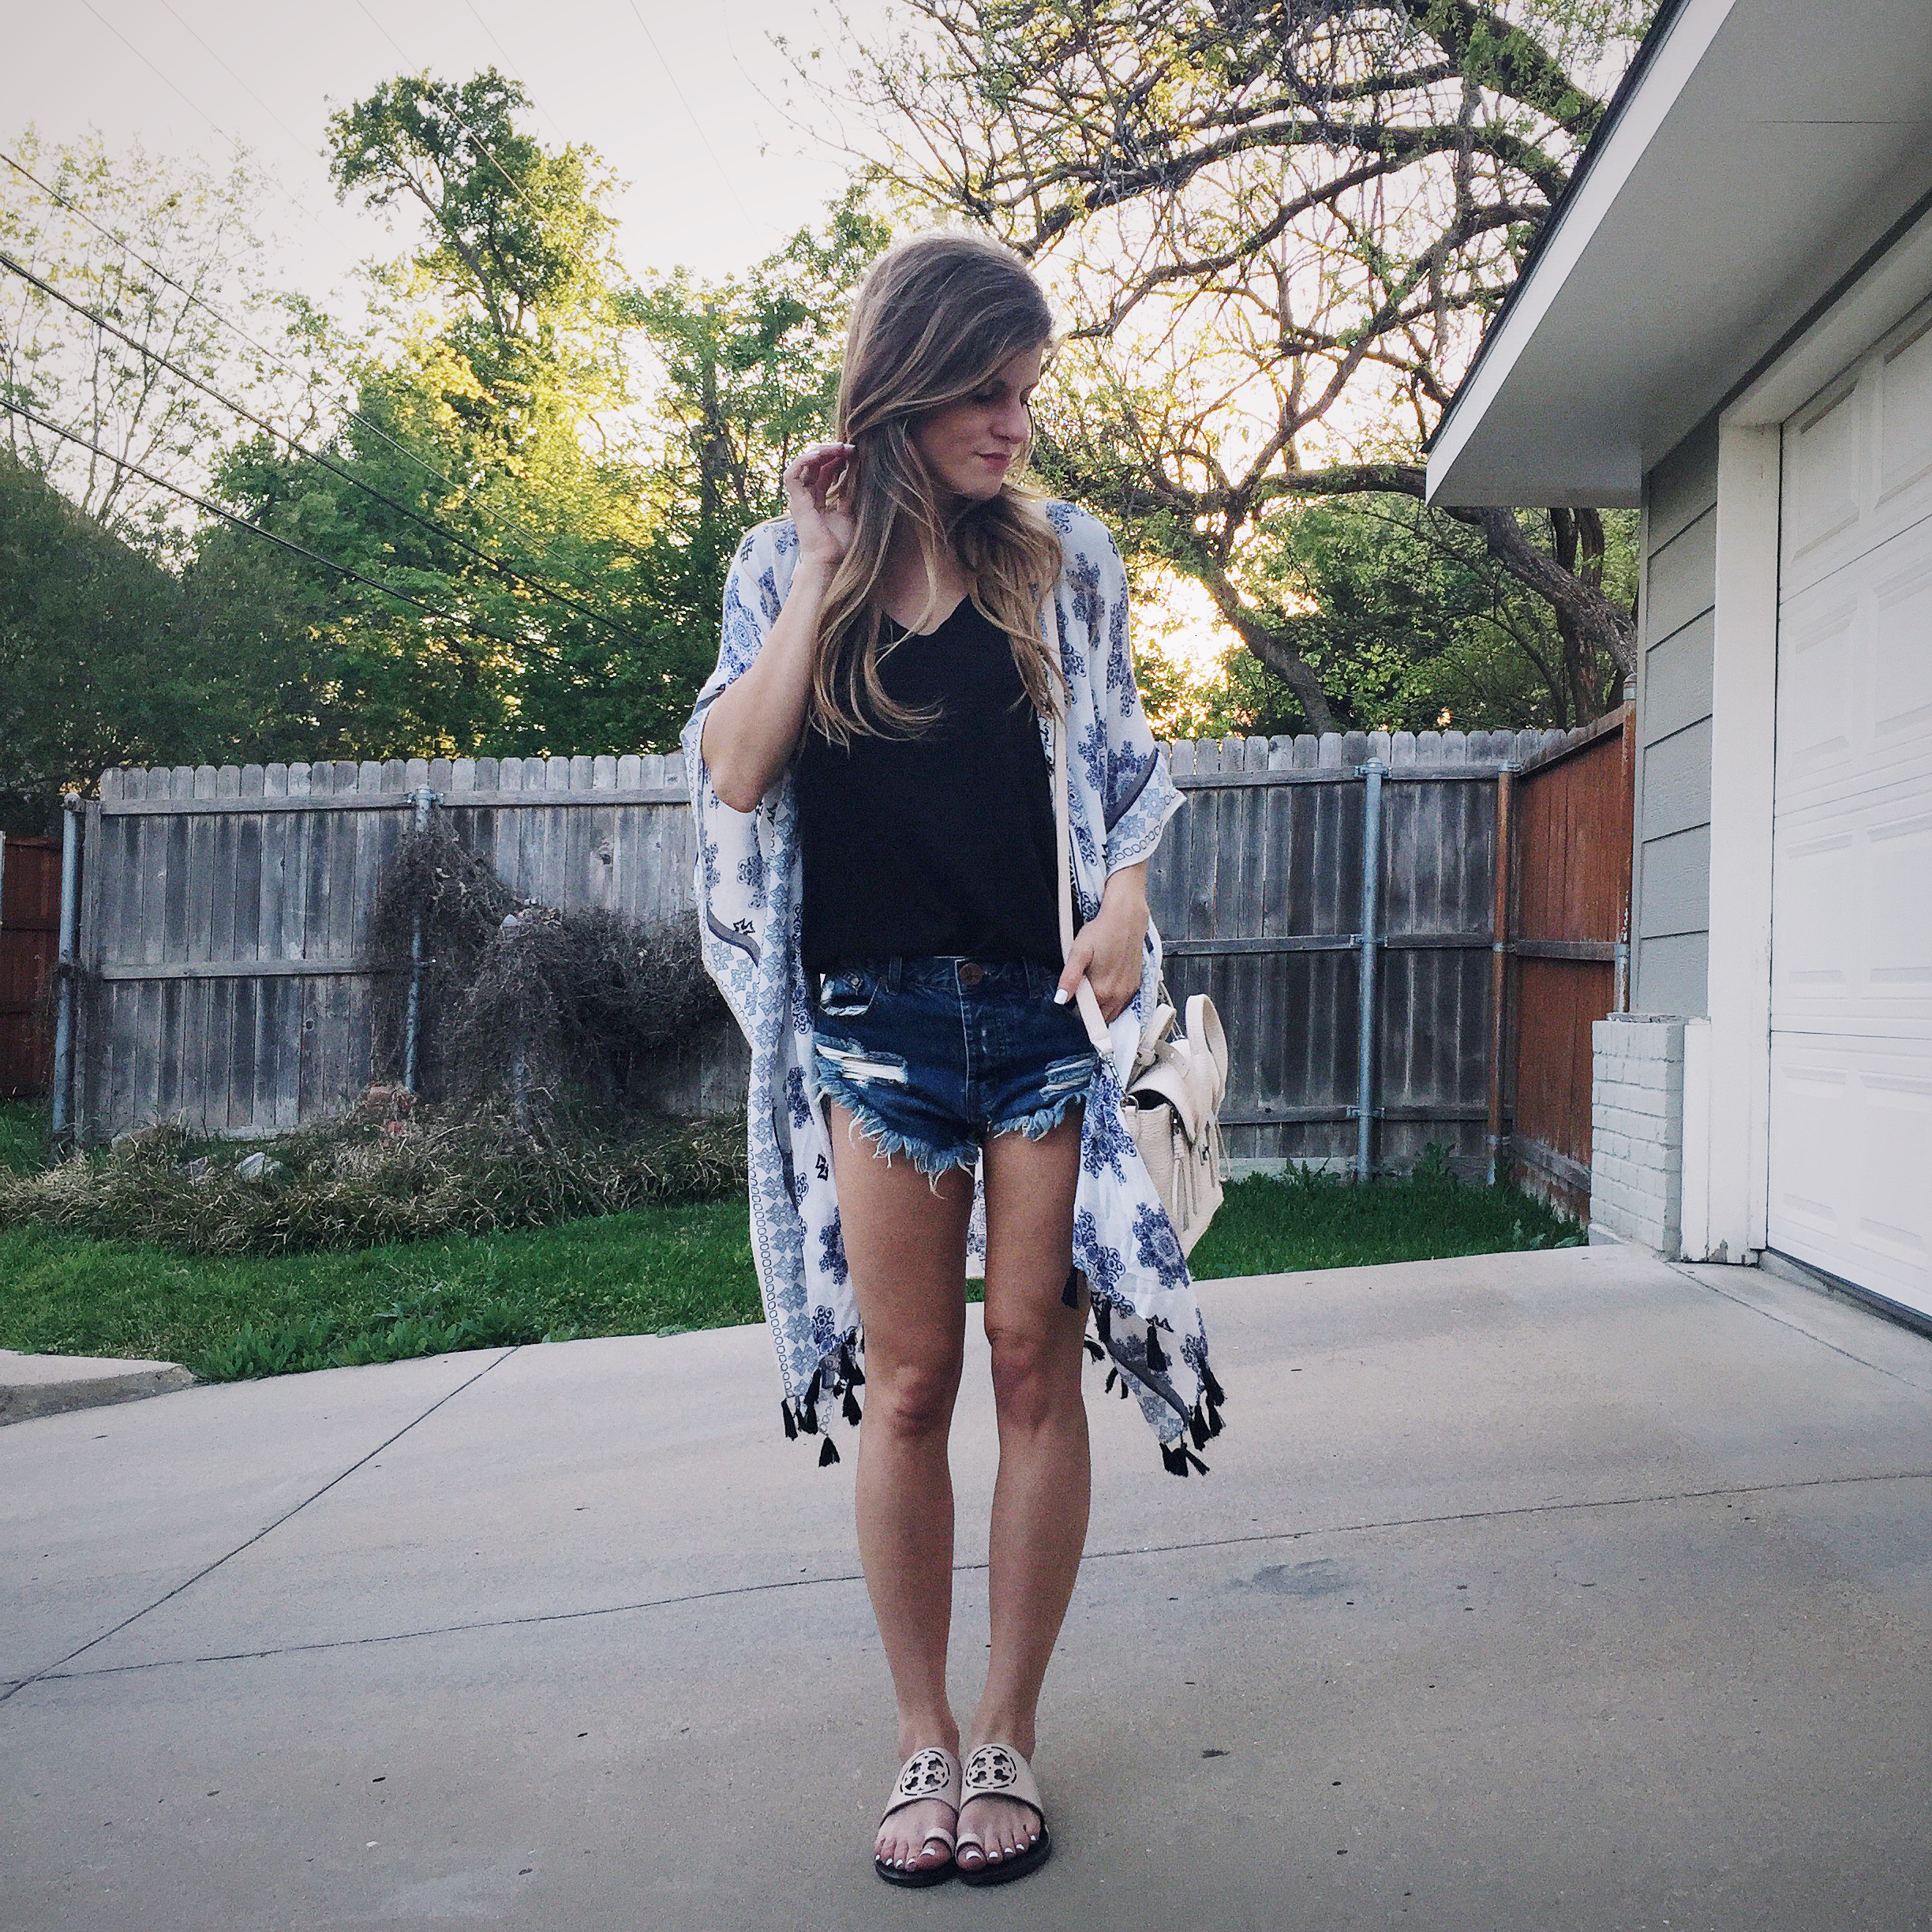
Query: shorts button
x=970, y=973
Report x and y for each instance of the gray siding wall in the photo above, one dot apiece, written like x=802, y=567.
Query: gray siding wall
x=1671, y=903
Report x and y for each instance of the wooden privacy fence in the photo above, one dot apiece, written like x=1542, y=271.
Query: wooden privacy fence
x=1564, y=902
x=29, y=921
x=224, y=978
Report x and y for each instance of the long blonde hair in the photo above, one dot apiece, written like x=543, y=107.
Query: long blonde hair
x=937, y=315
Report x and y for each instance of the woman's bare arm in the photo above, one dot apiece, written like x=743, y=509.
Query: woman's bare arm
x=752, y=727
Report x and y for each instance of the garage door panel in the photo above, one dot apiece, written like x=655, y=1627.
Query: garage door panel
x=1850, y=1180
x=1905, y=415
x=1852, y=1149
x=1811, y=958
x=1810, y=1115
x=1823, y=474
x=1900, y=862
x=1819, y=645
x=1902, y=657
x=1858, y=460
x=1852, y=951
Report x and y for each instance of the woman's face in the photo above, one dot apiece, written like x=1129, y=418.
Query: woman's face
x=971, y=447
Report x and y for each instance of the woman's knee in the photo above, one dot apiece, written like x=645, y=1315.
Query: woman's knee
x=913, y=1397
x=1035, y=1370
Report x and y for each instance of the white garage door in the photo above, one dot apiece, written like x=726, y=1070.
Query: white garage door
x=1851, y=1143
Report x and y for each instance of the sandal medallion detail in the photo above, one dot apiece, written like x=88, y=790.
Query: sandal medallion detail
x=931, y=1773
x=999, y=1771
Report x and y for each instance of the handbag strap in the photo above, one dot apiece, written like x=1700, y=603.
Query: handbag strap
x=1084, y=994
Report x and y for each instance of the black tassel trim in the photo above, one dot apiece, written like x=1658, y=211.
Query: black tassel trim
x=1103, y=1318
x=791, y=1427
x=851, y=1409
x=1107, y=1388
x=1093, y=1348
x=828, y=1454
x=1175, y=1463
x=1070, y=1292
x=1156, y=1357
x=1214, y=1393
x=1198, y=1428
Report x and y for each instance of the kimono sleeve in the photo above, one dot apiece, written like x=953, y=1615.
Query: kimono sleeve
x=736, y=851
x=1138, y=794
x=751, y=608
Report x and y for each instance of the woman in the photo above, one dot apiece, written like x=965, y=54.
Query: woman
x=877, y=880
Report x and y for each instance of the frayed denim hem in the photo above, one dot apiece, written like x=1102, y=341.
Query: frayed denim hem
x=1042, y=1121
x=889, y=1140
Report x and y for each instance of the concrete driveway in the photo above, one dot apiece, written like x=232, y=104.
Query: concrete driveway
x=1540, y=1591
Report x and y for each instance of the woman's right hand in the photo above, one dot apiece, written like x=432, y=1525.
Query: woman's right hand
x=825, y=533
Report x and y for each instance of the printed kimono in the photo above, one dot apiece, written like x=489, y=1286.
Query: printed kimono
x=748, y=875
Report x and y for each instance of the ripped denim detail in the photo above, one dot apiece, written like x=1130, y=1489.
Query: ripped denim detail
x=855, y=1064
x=830, y=1080
x=1066, y=1084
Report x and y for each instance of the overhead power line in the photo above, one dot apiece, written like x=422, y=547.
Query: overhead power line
x=483, y=147
x=644, y=28
x=315, y=456
x=148, y=61
x=256, y=529
x=375, y=428
x=242, y=334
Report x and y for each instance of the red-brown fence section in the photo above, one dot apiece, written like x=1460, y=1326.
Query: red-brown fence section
x=29, y=939
x=1567, y=815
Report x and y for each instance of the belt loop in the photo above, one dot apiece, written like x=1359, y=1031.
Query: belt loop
x=894, y=967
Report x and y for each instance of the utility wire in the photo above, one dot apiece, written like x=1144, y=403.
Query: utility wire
x=200, y=301
x=509, y=65
x=644, y=28
x=516, y=187
x=148, y=61
x=256, y=529
x=314, y=456
x=187, y=28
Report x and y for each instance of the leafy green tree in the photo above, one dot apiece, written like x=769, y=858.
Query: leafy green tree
x=205, y=234
x=108, y=657
x=1279, y=226
x=1411, y=624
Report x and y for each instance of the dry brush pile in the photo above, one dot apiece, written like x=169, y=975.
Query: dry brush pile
x=536, y=1026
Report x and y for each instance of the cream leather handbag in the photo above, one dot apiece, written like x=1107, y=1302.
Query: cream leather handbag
x=1177, y=1083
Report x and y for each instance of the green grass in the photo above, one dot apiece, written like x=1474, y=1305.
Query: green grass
x=649, y=1271
x=23, y=1137
x=1266, y=1225
x=682, y=1267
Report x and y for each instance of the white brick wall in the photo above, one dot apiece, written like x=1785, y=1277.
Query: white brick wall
x=1637, y=1130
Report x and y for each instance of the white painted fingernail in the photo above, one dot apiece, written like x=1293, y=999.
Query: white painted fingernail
x=1060, y=996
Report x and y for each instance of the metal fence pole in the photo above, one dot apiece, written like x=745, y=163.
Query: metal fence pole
x=425, y=802
x=61, y=1112
x=1372, y=774
x=1499, y=967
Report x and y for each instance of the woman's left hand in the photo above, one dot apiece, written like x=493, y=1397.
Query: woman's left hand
x=1109, y=949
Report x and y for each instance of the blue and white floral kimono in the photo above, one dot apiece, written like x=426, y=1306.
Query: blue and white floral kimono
x=748, y=876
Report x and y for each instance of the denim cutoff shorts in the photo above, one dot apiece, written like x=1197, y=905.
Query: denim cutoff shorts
x=934, y=1052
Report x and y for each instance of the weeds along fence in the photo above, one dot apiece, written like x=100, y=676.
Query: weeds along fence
x=222, y=975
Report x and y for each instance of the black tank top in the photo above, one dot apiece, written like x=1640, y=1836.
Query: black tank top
x=941, y=842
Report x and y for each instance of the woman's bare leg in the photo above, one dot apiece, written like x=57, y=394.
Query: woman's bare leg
x=1040, y=1501
x=906, y=1243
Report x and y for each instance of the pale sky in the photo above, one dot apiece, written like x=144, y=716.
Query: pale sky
x=669, y=94
x=685, y=102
